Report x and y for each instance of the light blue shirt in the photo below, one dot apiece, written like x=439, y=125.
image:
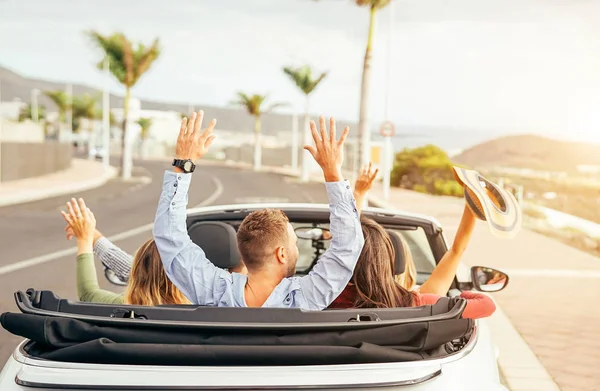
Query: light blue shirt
x=203, y=283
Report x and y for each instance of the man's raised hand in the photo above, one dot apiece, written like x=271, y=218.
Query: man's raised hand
x=328, y=150
x=192, y=142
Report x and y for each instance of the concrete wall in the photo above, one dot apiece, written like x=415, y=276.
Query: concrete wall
x=26, y=131
x=26, y=160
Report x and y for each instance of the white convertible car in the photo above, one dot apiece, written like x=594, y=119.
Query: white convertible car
x=70, y=345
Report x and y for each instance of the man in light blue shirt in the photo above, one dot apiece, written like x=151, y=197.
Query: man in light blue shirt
x=266, y=240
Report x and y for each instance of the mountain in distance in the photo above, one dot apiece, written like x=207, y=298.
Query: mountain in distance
x=521, y=151
x=15, y=86
x=530, y=151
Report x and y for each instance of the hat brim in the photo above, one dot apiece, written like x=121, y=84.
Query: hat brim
x=491, y=203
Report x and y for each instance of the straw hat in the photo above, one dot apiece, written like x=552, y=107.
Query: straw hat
x=491, y=203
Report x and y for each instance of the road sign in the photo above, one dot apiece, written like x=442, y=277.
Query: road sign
x=387, y=129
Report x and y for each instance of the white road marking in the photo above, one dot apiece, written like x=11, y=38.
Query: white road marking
x=563, y=273
x=13, y=267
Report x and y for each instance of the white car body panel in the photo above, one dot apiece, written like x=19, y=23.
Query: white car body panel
x=473, y=368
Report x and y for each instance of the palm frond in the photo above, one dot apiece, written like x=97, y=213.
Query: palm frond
x=127, y=61
x=273, y=106
x=377, y=4
x=252, y=103
x=145, y=58
x=302, y=77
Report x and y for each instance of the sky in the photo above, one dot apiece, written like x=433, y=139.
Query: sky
x=491, y=66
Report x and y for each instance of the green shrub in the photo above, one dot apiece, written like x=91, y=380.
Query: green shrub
x=425, y=169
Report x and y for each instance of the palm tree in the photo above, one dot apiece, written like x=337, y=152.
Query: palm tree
x=62, y=101
x=127, y=63
x=363, y=121
x=254, y=106
x=86, y=106
x=304, y=80
x=145, y=125
x=364, y=134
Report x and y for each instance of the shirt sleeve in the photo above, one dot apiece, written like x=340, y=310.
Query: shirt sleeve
x=88, y=289
x=478, y=304
x=113, y=258
x=333, y=271
x=185, y=262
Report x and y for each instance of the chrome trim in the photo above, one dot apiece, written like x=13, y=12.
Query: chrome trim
x=394, y=384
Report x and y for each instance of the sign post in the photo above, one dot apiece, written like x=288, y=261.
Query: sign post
x=387, y=130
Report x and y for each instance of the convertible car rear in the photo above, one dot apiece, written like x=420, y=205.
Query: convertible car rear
x=83, y=346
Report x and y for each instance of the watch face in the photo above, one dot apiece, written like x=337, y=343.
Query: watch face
x=187, y=166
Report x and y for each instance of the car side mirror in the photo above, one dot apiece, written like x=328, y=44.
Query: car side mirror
x=486, y=279
x=112, y=278
x=313, y=233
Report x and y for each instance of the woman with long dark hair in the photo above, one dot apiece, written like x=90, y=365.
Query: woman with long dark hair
x=373, y=284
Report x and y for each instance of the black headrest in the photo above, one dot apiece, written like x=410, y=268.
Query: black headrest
x=400, y=261
x=219, y=242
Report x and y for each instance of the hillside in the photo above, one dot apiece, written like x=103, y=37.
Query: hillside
x=18, y=86
x=529, y=151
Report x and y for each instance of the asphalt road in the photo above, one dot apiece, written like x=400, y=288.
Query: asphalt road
x=36, y=229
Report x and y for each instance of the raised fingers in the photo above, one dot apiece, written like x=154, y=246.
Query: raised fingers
x=198, y=123
x=332, y=136
x=315, y=134
x=67, y=218
x=323, y=128
x=208, y=132
x=84, y=209
x=344, y=135
x=191, y=122
x=71, y=209
x=312, y=150
x=374, y=175
x=182, y=128
x=209, y=141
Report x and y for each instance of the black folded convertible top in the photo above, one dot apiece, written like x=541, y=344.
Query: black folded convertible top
x=61, y=330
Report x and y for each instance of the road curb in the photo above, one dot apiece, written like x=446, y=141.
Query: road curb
x=521, y=369
x=37, y=194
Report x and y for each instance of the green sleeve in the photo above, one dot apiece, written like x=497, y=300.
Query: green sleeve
x=88, y=289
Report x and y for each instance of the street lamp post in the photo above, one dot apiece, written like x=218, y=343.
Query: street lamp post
x=0, y=133
x=388, y=150
x=69, y=91
x=295, y=142
x=106, y=118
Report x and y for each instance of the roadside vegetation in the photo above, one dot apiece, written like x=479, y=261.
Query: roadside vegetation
x=425, y=169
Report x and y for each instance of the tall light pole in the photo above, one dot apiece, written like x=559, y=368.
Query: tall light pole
x=34, y=105
x=388, y=151
x=295, y=142
x=1, y=132
x=69, y=92
x=106, y=117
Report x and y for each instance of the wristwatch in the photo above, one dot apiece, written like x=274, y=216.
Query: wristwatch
x=186, y=165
